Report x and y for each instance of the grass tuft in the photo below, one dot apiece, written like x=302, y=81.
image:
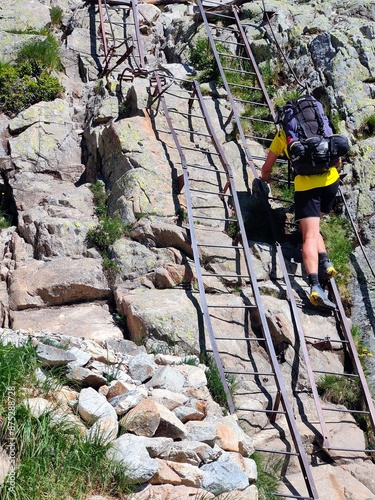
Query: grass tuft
x=215, y=385
x=52, y=457
x=268, y=480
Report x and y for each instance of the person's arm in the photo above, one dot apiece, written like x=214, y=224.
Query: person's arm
x=265, y=174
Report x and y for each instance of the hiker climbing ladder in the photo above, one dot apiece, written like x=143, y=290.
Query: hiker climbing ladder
x=241, y=273
x=344, y=338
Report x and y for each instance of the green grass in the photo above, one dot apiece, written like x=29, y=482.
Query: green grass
x=56, y=15
x=340, y=390
x=109, y=229
x=214, y=383
x=203, y=59
x=41, y=54
x=268, y=475
x=53, y=458
x=338, y=240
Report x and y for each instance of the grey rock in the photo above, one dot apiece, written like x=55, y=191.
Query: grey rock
x=128, y=451
x=220, y=477
x=125, y=402
x=142, y=367
x=85, y=377
x=167, y=377
x=53, y=356
x=92, y=406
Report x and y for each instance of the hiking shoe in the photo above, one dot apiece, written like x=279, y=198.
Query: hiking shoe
x=319, y=298
x=326, y=271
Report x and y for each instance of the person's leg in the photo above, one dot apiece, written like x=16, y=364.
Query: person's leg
x=312, y=247
x=312, y=243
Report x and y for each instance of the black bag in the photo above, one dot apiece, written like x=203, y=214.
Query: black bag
x=312, y=147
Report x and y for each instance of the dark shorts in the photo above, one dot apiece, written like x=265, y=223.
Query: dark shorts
x=313, y=202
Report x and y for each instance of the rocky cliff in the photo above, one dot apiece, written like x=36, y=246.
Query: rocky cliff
x=53, y=280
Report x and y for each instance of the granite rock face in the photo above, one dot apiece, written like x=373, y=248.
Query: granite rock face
x=52, y=278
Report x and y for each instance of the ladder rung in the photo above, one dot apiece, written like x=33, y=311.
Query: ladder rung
x=206, y=168
x=236, y=247
x=250, y=118
x=363, y=412
x=198, y=150
x=217, y=275
x=214, y=218
x=298, y=497
x=244, y=306
x=210, y=192
x=235, y=99
x=239, y=71
x=244, y=86
x=354, y=375
x=320, y=339
x=350, y=449
x=221, y=28
x=244, y=372
x=185, y=114
x=258, y=410
x=278, y=452
x=252, y=339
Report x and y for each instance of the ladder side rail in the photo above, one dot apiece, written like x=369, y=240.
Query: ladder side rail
x=356, y=232
x=302, y=341
x=250, y=55
x=142, y=63
x=270, y=347
x=196, y=254
x=226, y=86
x=353, y=352
x=273, y=357
x=102, y=32
x=110, y=22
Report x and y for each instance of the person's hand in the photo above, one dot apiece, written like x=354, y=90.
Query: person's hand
x=265, y=176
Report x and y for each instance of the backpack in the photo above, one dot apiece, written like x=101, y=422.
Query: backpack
x=311, y=144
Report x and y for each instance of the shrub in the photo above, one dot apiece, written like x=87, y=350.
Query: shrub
x=341, y=390
x=336, y=233
x=41, y=54
x=29, y=81
x=106, y=233
x=203, y=59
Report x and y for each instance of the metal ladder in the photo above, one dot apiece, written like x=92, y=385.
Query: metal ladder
x=231, y=17
x=250, y=299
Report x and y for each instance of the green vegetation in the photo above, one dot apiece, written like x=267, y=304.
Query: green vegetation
x=214, y=383
x=337, y=237
x=370, y=125
x=109, y=229
x=341, y=390
x=232, y=228
x=56, y=14
x=268, y=475
x=53, y=458
x=41, y=55
x=5, y=218
x=29, y=80
x=203, y=59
